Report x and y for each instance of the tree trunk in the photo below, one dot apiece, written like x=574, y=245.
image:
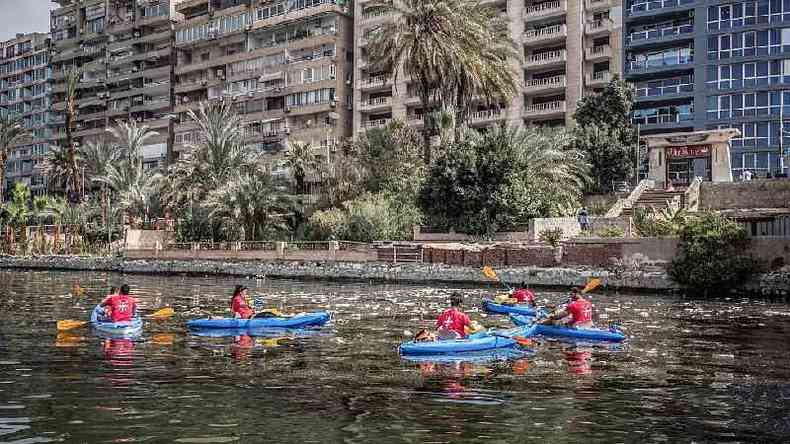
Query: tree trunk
x=3, y=159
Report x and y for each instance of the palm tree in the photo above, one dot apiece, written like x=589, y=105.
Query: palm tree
x=12, y=128
x=300, y=160
x=72, y=77
x=455, y=51
x=58, y=168
x=250, y=208
x=127, y=176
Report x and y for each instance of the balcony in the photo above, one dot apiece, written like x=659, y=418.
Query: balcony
x=539, y=11
x=660, y=63
x=375, y=104
x=325, y=6
x=543, y=110
x=658, y=7
x=486, y=117
x=668, y=34
x=377, y=123
x=598, y=27
x=549, y=84
x=598, y=53
x=375, y=82
x=545, y=35
x=664, y=118
x=598, y=79
x=546, y=59
x=599, y=5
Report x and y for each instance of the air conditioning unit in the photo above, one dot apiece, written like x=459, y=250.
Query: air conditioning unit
x=332, y=104
x=287, y=110
x=220, y=73
x=331, y=77
x=251, y=94
x=212, y=35
x=138, y=119
x=204, y=82
x=287, y=130
x=136, y=34
x=348, y=82
x=185, y=99
x=248, y=27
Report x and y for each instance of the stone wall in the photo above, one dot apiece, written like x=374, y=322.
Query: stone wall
x=591, y=253
x=147, y=239
x=411, y=272
x=764, y=193
x=539, y=255
x=570, y=225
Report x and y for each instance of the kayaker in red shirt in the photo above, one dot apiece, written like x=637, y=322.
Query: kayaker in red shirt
x=121, y=306
x=238, y=303
x=523, y=295
x=453, y=322
x=579, y=310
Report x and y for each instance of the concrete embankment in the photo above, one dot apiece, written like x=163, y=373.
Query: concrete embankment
x=654, y=280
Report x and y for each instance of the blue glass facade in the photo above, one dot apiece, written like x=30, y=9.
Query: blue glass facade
x=708, y=64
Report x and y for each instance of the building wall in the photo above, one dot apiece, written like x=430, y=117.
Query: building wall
x=559, y=65
x=124, y=49
x=703, y=101
x=25, y=92
x=269, y=66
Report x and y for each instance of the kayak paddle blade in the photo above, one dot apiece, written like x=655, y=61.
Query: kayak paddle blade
x=70, y=324
x=489, y=272
x=163, y=313
x=592, y=285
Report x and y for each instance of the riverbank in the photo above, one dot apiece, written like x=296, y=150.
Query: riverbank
x=775, y=283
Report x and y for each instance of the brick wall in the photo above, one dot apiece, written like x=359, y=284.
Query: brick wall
x=540, y=256
x=589, y=253
x=765, y=193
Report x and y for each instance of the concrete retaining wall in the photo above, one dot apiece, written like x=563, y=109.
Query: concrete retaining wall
x=765, y=193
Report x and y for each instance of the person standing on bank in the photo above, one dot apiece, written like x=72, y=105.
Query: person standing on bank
x=584, y=219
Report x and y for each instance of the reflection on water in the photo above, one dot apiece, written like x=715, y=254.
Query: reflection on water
x=692, y=370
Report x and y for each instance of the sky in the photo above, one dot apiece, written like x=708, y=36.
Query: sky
x=24, y=16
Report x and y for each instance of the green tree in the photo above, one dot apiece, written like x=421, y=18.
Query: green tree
x=711, y=259
x=250, y=208
x=300, y=159
x=610, y=158
x=606, y=134
x=12, y=128
x=59, y=170
x=136, y=187
x=458, y=53
x=502, y=178
x=390, y=160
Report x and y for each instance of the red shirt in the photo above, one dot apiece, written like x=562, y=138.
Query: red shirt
x=122, y=307
x=239, y=306
x=523, y=295
x=453, y=319
x=581, y=311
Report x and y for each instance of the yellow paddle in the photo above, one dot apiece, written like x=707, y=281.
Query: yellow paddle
x=592, y=285
x=71, y=324
x=162, y=313
x=489, y=272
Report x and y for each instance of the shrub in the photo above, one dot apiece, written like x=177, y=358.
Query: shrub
x=610, y=232
x=369, y=217
x=710, y=254
x=551, y=236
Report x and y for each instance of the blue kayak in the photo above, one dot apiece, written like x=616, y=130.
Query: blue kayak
x=593, y=334
x=302, y=320
x=520, y=309
x=125, y=329
x=264, y=332
x=475, y=343
x=479, y=357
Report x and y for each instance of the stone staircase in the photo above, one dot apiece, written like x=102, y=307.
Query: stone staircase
x=656, y=199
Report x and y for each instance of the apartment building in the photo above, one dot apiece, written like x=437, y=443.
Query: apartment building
x=125, y=51
x=701, y=65
x=286, y=65
x=570, y=48
x=24, y=91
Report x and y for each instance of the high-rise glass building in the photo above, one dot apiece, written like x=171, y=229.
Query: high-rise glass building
x=700, y=65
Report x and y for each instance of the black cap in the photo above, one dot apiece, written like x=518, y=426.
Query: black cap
x=456, y=299
x=239, y=289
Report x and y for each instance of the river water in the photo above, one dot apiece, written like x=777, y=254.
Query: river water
x=692, y=371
